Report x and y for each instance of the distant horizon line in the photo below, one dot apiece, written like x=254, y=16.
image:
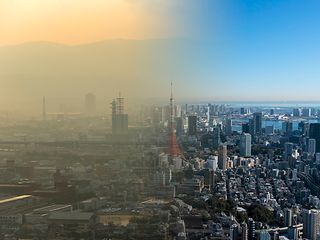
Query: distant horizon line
x=91, y=42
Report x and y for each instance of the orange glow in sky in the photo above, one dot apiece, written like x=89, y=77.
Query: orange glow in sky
x=79, y=21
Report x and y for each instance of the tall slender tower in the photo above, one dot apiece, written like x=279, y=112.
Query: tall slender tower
x=44, y=112
x=174, y=149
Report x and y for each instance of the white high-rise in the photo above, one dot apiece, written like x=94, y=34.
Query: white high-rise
x=245, y=145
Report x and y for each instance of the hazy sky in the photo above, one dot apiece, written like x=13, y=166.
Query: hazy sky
x=235, y=50
x=83, y=21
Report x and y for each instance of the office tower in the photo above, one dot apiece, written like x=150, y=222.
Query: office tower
x=243, y=111
x=314, y=132
x=252, y=127
x=44, y=111
x=251, y=229
x=306, y=112
x=216, y=140
x=119, y=119
x=234, y=232
x=90, y=104
x=311, y=146
x=257, y=118
x=228, y=127
x=287, y=128
x=314, y=224
x=296, y=112
x=288, y=149
x=245, y=128
x=245, y=145
x=287, y=217
x=272, y=112
x=222, y=157
x=293, y=233
x=311, y=223
x=244, y=231
x=264, y=235
x=192, y=125
x=179, y=125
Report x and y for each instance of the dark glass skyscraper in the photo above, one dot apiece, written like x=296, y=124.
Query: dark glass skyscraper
x=192, y=125
x=257, y=121
x=314, y=132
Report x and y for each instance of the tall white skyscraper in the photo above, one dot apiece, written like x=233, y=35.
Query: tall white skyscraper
x=245, y=145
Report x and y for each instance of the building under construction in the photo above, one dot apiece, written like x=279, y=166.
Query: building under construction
x=119, y=118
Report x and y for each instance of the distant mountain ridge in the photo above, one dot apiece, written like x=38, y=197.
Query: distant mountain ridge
x=64, y=72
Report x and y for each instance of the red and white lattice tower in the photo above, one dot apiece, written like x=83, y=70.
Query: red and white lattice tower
x=174, y=149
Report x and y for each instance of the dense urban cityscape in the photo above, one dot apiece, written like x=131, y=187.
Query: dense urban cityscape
x=182, y=171
x=159, y=120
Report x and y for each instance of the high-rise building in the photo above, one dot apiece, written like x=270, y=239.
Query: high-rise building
x=257, y=120
x=311, y=224
x=287, y=217
x=243, y=111
x=216, y=137
x=179, y=125
x=288, y=149
x=244, y=231
x=192, y=125
x=251, y=229
x=228, y=127
x=306, y=112
x=287, y=128
x=90, y=103
x=296, y=112
x=311, y=146
x=245, y=145
x=119, y=118
x=222, y=157
x=246, y=128
x=234, y=232
x=314, y=132
x=271, y=112
x=264, y=235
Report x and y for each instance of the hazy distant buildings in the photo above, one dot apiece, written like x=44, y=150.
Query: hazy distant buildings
x=119, y=118
x=296, y=112
x=245, y=145
x=306, y=112
x=90, y=104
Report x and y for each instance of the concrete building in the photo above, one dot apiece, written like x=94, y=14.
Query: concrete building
x=245, y=145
